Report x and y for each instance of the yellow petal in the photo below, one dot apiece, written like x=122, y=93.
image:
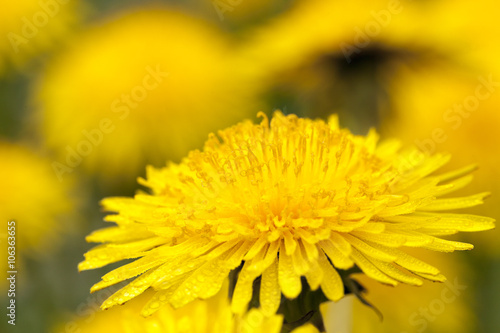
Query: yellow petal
x=331, y=284
x=338, y=259
x=118, y=234
x=368, y=250
x=133, y=289
x=405, y=208
x=455, y=185
x=204, y=282
x=391, y=270
x=289, y=280
x=459, y=222
x=310, y=250
x=314, y=275
x=455, y=203
x=109, y=253
x=457, y=173
x=265, y=257
x=256, y=247
x=299, y=260
x=435, y=278
x=159, y=299
x=443, y=245
x=369, y=269
x=270, y=293
x=340, y=243
x=386, y=239
x=244, y=288
x=307, y=328
x=410, y=263
x=290, y=242
x=133, y=269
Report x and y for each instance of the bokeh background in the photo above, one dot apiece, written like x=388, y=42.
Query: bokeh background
x=93, y=91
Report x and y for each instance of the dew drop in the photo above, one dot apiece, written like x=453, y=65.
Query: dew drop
x=154, y=305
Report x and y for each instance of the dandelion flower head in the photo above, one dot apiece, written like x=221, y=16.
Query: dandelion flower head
x=283, y=200
x=147, y=85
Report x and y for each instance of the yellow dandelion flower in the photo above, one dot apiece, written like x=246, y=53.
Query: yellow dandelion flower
x=201, y=316
x=145, y=86
x=29, y=27
x=32, y=198
x=287, y=199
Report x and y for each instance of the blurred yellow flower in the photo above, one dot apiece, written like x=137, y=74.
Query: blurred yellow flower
x=33, y=198
x=212, y=315
x=308, y=29
x=29, y=27
x=140, y=88
x=316, y=28
x=453, y=28
x=328, y=56
x=318, y=56
x=290, y=198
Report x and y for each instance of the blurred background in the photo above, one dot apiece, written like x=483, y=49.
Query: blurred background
x=93, y=91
